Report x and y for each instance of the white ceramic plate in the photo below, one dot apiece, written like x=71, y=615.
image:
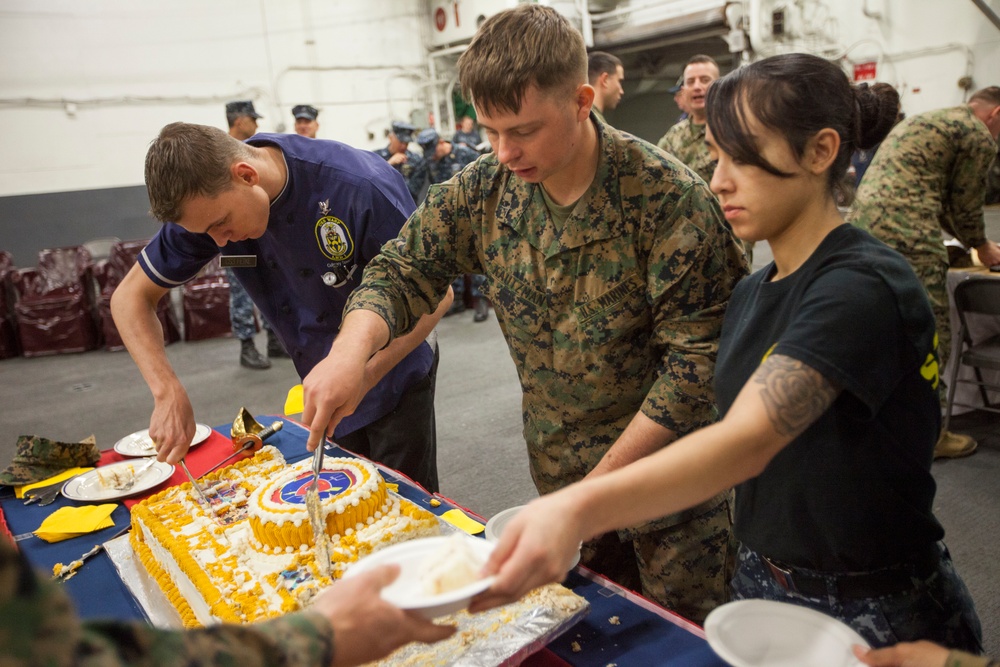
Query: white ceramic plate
x=140, y=444
x=98, y=484
x=755, y=633
x=496, y=525
x=407, y=591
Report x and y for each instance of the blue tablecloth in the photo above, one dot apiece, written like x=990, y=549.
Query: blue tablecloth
x=621, y=627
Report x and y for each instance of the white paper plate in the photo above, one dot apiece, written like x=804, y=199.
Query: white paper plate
x=496, y=525
x=758, y=633
x=407, y=591
x=97, y=485
x=140, y=444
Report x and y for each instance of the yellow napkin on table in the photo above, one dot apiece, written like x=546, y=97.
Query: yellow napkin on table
x=294, y=401
x=61, y=477
x=67, y=522
x=461, y=520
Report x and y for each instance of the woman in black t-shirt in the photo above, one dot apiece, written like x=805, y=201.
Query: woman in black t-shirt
x=826, y=377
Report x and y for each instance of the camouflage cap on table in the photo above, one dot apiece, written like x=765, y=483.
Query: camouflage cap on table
x=40, y=458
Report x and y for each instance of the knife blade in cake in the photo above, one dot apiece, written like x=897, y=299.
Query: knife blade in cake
x=198, y=489
x=316, y=516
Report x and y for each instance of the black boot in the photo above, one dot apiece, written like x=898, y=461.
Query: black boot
x=275, y=350
x=457, y=306
x=482, y=310
x=250, y=357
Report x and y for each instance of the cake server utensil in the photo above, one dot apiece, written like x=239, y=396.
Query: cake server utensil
x=197, y=487
x=32, y=496
x=67, y=572
x=316, y=516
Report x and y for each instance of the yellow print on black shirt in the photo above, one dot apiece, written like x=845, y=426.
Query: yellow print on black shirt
x=930, y=369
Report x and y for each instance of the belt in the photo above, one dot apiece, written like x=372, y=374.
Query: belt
x=855, y=585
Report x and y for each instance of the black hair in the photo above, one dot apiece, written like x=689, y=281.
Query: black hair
x=797, y=95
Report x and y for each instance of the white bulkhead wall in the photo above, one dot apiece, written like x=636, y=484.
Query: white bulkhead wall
x=85, y=86
x=936, y=52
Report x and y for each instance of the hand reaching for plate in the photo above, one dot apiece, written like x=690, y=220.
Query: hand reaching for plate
x=367, y=627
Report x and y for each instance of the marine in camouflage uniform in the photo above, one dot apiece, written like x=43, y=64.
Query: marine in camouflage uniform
x=686, y=142
x=927, y=177
x=40, y=628
x=617, y=310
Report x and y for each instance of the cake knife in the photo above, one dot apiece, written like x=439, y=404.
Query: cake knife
x=197, y=487
x=316, y=515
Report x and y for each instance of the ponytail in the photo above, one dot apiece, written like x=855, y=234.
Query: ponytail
x=877, y=109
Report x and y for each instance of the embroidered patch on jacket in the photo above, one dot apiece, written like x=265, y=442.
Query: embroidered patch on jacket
x=334, y=239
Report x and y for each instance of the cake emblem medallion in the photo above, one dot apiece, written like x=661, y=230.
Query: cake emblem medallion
x=332, y=483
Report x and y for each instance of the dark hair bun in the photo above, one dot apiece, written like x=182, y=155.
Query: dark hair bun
x=878, y=108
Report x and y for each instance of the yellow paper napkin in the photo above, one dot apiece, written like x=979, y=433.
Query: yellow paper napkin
x=461, y=520
x=294, y=401
x=67, y=522
x=61, y=477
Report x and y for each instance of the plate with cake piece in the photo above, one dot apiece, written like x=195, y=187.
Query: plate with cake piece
x=140, y=444
x=437, y=575
x=117, y=480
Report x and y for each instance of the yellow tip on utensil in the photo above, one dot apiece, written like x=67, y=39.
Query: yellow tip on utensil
x=294, y=402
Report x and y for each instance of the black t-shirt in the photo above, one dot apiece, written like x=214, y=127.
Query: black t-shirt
x=854, y=491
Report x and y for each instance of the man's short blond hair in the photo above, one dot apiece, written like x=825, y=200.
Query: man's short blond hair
x=188, y=160
x=990, y=96
x=517, y=48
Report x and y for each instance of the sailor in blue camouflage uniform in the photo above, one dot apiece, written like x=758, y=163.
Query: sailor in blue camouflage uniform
x=402, y=159
x=40, y=627
x=609, y=267
x=442, y=160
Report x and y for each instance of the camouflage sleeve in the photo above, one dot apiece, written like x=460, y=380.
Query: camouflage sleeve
x=413, y=271
x=693, y=267
x=40, y=627
x=670, y=141
x=963, y=203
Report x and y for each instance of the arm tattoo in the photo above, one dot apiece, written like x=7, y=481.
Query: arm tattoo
x=794, y=394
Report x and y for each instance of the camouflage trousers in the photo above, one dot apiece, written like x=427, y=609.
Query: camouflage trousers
x=241, y=313
x=938, y=608
x=684, y=568
x=933, y=275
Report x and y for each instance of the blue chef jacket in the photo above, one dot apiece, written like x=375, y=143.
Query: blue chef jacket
x=338, y=207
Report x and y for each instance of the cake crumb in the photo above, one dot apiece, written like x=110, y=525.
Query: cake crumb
x=614, y=620
x=576, y=647
x=434, y=502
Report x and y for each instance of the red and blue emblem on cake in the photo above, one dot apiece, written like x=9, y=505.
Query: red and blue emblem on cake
x=331, y=483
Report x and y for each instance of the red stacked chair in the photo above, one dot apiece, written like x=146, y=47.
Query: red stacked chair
x=109, y=275
x=206, y=304
x=9, y=346
x=55, y=303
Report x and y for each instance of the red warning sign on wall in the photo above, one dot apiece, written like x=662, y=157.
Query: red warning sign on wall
x=864, y=71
